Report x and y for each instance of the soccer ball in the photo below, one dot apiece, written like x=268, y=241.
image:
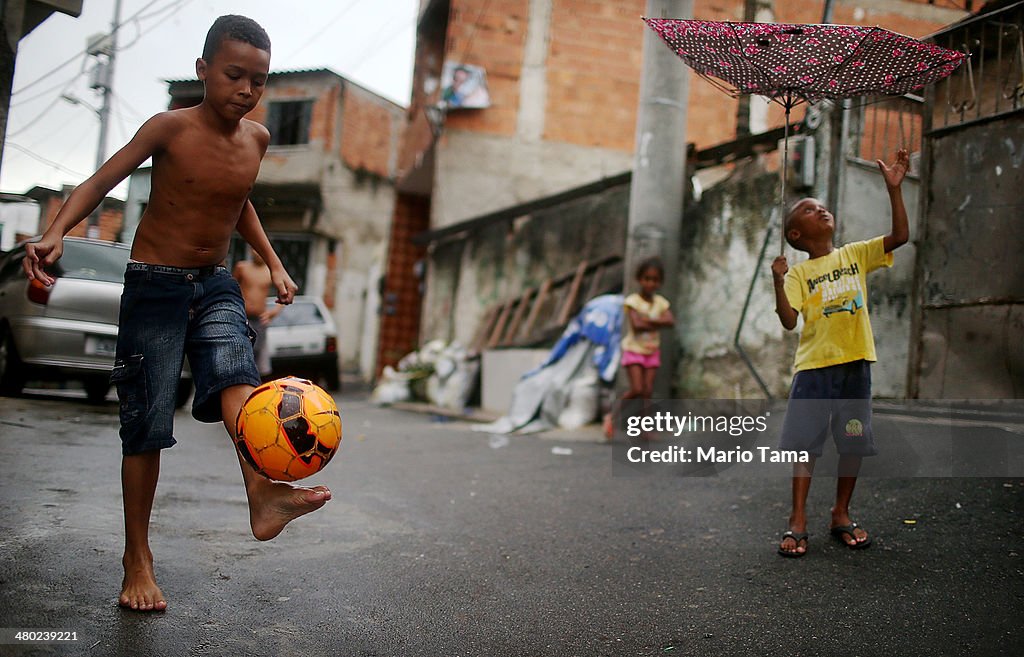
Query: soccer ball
x=288, y=429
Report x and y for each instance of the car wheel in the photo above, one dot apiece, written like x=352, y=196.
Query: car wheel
x=184, y=392
x=11, y=377
x=96, y=389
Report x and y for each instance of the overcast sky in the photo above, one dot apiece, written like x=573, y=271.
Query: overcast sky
x=367, y=41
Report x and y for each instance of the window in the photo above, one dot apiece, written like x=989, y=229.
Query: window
x=288, y=122
x=93, y=261
x=298, y=314
x=292, y=249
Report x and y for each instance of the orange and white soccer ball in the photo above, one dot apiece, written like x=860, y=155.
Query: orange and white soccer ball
x=288, y=429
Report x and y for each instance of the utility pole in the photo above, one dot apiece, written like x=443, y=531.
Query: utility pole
x=659, y=171
x=102, y=81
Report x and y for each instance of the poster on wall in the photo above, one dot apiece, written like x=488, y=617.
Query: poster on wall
x=464, y=86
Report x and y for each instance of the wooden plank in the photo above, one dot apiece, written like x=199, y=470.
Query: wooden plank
x=538, y=303
x=484, y=329
x=574, y=291
x=499, y=328
x=517, y=318
x=595, y=283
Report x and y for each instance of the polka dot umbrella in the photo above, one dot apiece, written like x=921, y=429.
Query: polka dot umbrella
x=794, y=64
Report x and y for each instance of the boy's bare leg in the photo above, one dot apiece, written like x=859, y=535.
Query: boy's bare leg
x=139, y=473
x=849, y=467
x=272, y=504
x=798, y=517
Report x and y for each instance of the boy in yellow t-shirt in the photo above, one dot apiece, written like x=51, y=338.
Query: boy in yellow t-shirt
x=832, y=385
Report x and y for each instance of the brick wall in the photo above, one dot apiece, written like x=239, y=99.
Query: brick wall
x=367, y=129
x=400, y=310
x=594, y=63
x=491, y=35
x=593, y=72
x=111, y=220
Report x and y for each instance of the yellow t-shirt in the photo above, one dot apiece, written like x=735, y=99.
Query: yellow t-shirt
x=831, y=294
x=643, y=342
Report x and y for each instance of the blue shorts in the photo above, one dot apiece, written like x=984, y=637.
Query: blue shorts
x=834, y=399
x=166, y=314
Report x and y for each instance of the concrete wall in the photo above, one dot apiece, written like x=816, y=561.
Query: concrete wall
x=17, y=219
x=476, y=174
x=357, y=210
x=140, y=182
x=971, y=272
x=722, y=237
x=864, y=213
x=466, y=276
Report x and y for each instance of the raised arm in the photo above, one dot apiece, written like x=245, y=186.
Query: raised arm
x=250, y=228
x=783, y=308
x=86, y=196
x=894, y=175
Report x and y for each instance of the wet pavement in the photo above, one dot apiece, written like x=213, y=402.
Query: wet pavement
x=442, y=541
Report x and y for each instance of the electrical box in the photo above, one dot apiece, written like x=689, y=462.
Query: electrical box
x=99, y=76
x=98, y=44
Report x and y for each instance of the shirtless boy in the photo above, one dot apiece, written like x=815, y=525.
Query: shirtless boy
x=255, y=281
x=178, y=299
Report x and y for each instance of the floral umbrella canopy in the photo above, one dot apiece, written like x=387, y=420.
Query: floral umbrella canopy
x=793, y=64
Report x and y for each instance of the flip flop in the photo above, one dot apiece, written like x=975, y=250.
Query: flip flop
x=797, y=537
x=842, y=530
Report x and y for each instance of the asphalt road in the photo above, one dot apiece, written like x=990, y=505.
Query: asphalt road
x=442, y=541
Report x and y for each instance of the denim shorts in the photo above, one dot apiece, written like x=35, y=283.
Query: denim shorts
x=836, y=400
x=168, y=313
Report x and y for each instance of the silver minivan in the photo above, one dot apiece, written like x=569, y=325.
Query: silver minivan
x=68, y=330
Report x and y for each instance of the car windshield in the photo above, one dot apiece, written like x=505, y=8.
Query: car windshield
x=300, y=313
x=93, y=261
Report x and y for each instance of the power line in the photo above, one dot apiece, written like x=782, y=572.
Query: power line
x=369, y=54
x=74, y=123
x=472, y=32
x=136, y=115
x=41, y=115
x=74, y=147
x=323, y=29
x=83, y=51
x=42, y=159
x=48, y=90
x=174, y=7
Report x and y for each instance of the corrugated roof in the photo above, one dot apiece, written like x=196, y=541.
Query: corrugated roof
x=297, y=71
x=307, y=71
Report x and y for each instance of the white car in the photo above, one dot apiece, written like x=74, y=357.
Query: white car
x=303, y=341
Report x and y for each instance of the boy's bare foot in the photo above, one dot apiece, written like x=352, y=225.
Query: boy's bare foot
x=274, y=504
x=138, y=588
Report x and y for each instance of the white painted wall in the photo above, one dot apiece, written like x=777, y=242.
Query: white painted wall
x=17, y=218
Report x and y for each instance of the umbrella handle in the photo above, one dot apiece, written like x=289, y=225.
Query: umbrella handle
x=785, y=177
